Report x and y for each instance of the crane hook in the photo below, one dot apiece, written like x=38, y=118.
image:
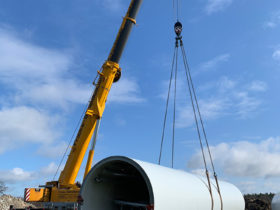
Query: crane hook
x=178, y=27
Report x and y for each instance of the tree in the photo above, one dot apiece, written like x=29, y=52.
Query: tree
x=3, y=187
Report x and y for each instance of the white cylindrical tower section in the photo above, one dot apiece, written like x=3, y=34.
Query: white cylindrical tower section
x=275, y=205
x=120, y=182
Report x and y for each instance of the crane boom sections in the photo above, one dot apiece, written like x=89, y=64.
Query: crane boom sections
x=65, y=191
x=109, y=74
x=93, y=113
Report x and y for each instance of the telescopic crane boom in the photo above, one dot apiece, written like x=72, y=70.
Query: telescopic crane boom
x=65, y=189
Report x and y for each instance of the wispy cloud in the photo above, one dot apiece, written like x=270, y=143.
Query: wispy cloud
x=245, y=159
x=246, y=104
x=225, y=97
x=125, y=91
x=276, y=55
x=52, y=150
x=48, y=170
x=217, y=5
x=225, y=84
x=210, y=109
x=273, y=21
x=258, y=86
x=112, y=5
x=213, y=63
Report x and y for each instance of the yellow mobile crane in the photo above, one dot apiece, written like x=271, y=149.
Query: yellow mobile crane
x=65, y=190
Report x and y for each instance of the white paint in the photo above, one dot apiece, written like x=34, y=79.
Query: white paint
x=166, y=188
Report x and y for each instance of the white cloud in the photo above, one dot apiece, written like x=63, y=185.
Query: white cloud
x=112, y=5
x=245, y=159
x=258, y=86
x=19, y=175
x=42, y=75
x=58, y=92
x=54, y=150
x=35, y=75
x=224, y=98
x=226, y=84
x=248, y=186
x=48, y=170
x=23, y=124
x=245, y=104
x=273, y=21
x=215, y=61
x=270, y=24
x=210, y=109
x=200, y=172
x=276, y=55
x=217, y=5
x=28, y=60
x=185, y=117
x=16, y=175
x=213, y=64
x=125, y=91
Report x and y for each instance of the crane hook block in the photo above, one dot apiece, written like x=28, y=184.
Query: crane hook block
x=178, y=27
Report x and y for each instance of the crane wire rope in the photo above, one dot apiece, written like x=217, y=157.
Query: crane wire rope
x=176, y=5
x=71, y=139
x=197, y=125
x=201, y=120
x=174, y=108
x=195, y=108
x=166, y=106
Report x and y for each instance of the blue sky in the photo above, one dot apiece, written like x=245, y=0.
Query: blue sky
x=50, y=53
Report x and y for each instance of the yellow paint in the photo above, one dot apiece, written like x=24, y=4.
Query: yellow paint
x=36, y=194
x=65, y=189
x=94, y=112
x=89, y=162
x=65, y=195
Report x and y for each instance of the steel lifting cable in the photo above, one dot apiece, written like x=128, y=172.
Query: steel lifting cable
x=201, y=121
x=167, y=103
x=174, y=109
x=176, y=9
x=178, y=30
x=197, y=128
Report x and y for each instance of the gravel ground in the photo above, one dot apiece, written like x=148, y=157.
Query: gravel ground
x=7, y=200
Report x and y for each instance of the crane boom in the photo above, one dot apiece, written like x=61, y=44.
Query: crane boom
x=93, y=113
x=65, y=189
x=110, y=72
